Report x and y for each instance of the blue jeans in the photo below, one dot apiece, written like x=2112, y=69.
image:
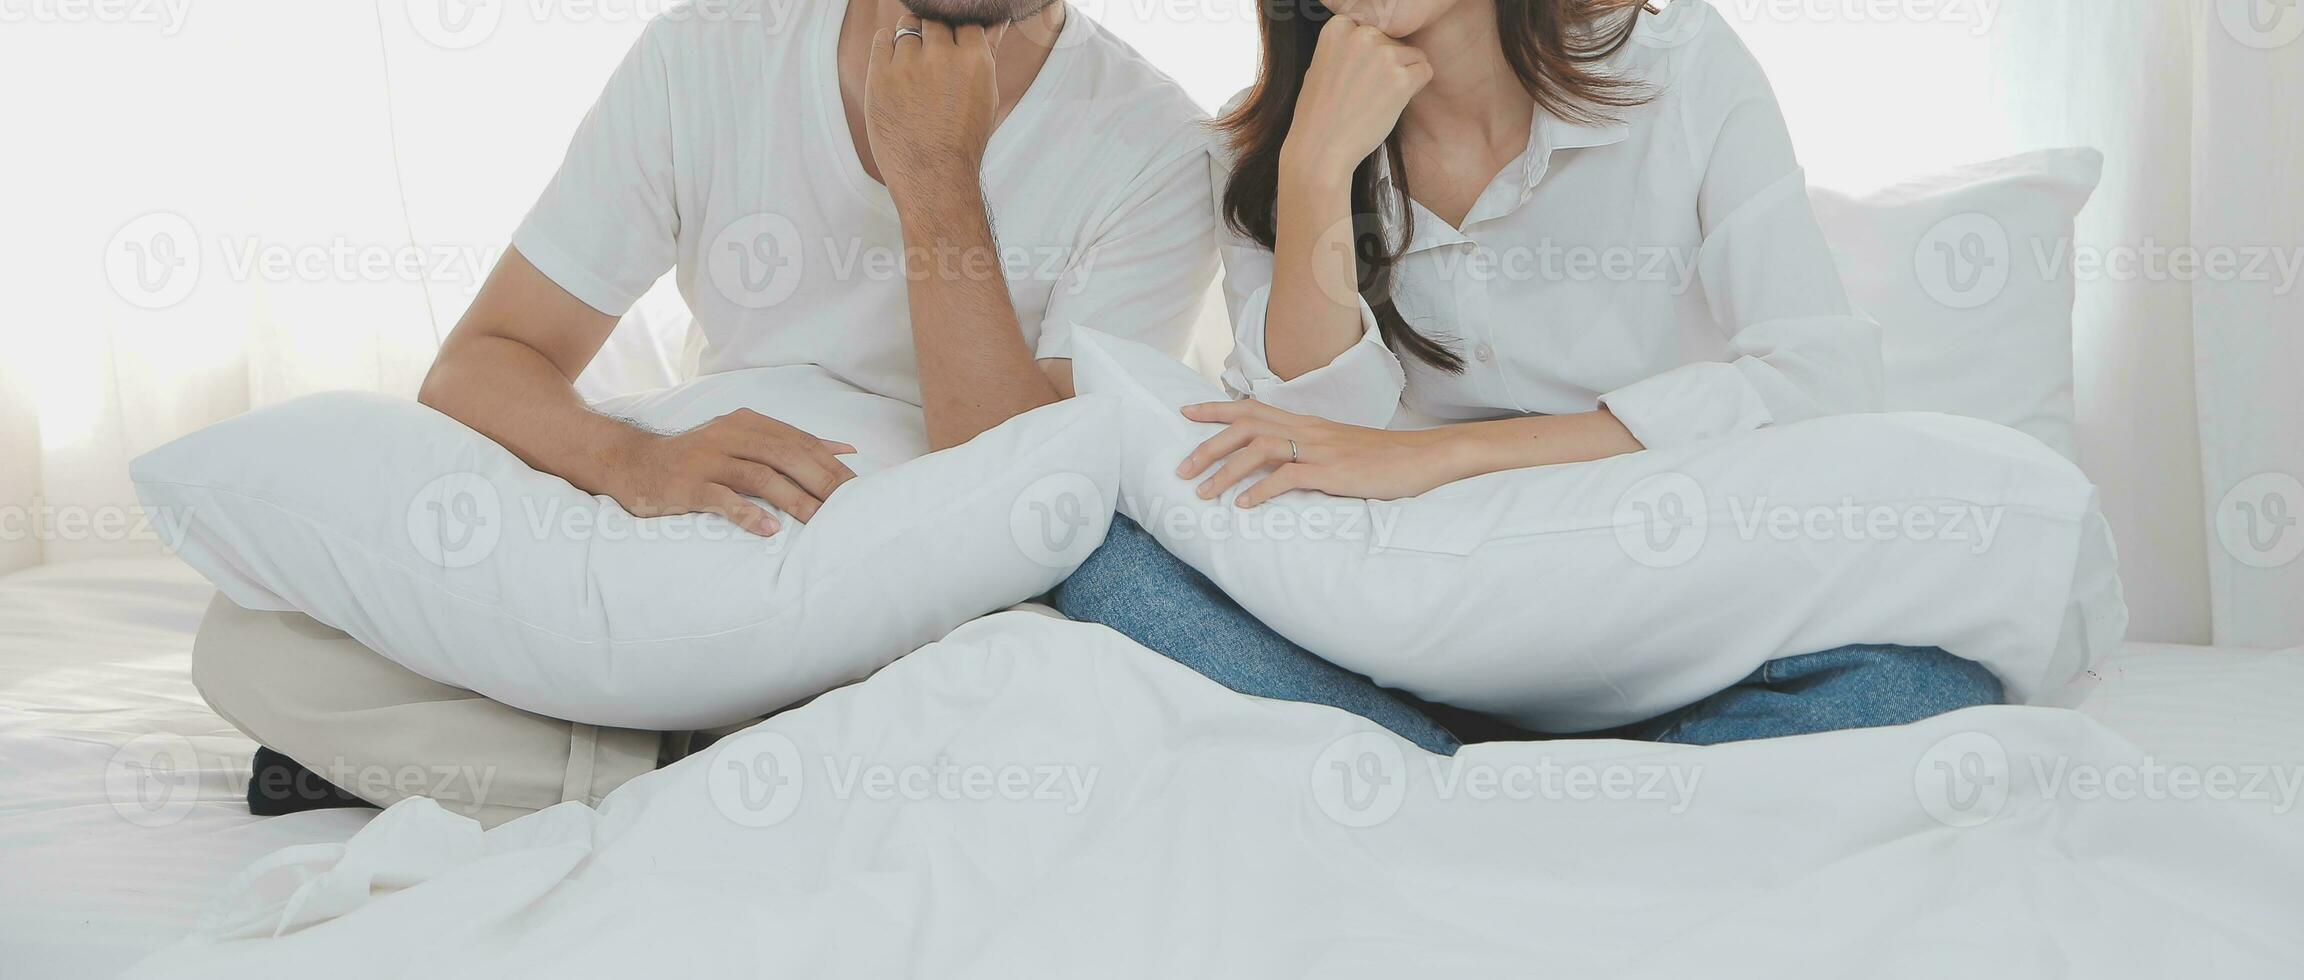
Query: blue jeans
x=1137, y=588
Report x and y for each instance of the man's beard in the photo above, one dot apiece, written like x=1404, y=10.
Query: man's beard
x=976, y=13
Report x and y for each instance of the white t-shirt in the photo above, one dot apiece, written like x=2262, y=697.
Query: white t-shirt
x=720, y=147
x=1667, y=265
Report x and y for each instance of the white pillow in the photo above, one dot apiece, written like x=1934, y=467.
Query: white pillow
x=442, y=551
x=1582, y=597
x=1970, y=274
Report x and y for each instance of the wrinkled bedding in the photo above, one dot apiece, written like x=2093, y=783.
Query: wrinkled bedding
x=1032, y=797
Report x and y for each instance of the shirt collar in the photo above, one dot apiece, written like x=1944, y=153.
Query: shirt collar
x=1560, y=134
x=1547, y=134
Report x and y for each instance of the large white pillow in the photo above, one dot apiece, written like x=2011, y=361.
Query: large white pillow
x=1582, y=597
x=1970, y=274
x=441, y=550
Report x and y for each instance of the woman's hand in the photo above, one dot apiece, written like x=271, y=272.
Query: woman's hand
x=1378, y=464
x=1354, y=91
x=1316, y=454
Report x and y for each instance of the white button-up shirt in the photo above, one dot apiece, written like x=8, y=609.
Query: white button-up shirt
x=1667, y=266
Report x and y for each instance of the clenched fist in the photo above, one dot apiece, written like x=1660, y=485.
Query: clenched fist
x=1358, y=83
x=929, y=104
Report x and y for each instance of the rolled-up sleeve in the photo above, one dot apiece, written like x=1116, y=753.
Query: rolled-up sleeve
x=1799, y=349
x=1362, y=386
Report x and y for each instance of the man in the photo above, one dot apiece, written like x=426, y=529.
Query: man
x=923, y=199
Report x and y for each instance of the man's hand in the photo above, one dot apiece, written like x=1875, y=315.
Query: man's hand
x=929, y=105
x=709, y=469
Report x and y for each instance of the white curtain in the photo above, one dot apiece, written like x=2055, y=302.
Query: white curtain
x=2247, y=148
x=259, y=200
x=2190, y=354
x=340, y=135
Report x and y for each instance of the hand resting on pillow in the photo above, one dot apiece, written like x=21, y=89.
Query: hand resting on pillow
x=448, y=554
x=709, y=469
x=507, y=371
x=1306, y=452
x=1583, y=597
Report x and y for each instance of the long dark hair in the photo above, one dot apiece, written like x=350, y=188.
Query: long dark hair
x=1555, y=46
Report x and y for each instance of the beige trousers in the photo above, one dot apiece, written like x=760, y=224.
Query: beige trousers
x=383, y=733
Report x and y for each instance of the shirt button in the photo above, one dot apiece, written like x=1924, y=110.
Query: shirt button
x=1483, y=354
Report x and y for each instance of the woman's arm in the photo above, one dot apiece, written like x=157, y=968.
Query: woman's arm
x=1354, y=91
x=1541, y=440
x=1361, y=385
x=1800, y=350
x=1313, y=315
x=1311, y=453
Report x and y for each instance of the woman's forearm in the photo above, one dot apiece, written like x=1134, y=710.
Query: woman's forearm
x=1314, y=312
x=1480, y=448
x=1306, y=452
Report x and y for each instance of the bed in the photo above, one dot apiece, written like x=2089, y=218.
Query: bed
x=93, y=681
x=121, y=813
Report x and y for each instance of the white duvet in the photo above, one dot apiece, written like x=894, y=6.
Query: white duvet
x=1038, y=798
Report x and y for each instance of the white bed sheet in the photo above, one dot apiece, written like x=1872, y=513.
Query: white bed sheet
x=1163, y=828
x=94, y=657
x=2205, y=706
x=93, y=682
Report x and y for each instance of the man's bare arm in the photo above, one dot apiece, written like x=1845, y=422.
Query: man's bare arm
x=508, y=372
x=975, y=370
x=932, y=100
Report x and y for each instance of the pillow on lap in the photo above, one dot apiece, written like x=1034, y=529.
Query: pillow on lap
x=441, y=550
x=885, y=431
x=1582, y=597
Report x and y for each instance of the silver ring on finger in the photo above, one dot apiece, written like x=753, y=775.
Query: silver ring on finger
x=1292, y=454
x=905, y=32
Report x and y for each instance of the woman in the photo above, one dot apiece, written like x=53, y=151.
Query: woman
x=1480, y=235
